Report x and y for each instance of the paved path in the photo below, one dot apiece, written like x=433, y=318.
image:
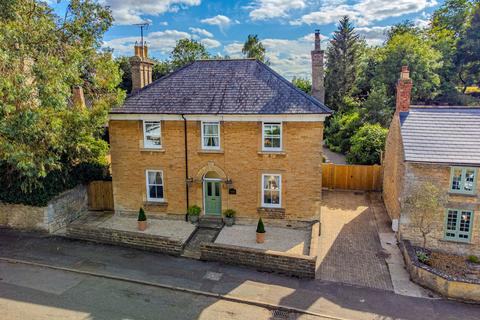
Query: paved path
x=315, y=296
x=29, y=292
x=349, y=247
x=334, y=157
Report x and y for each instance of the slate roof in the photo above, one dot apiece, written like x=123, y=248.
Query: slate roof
x=241, y=86
x=441, y=135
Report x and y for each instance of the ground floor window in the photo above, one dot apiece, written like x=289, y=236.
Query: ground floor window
x=458, y=225
x=271, y=190
x=155, y=185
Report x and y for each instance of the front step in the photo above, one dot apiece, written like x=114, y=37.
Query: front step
x=210, y=222
x=192, y=249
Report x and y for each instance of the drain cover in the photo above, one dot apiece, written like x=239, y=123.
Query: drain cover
x=214, y=276
x=280, y=315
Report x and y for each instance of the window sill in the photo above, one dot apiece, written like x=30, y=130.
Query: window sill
x=152, y=150
x=280, y=153
x=467, y=243
x=210, y=151
x=469, y=195
x=271, y=213
x=151, y=203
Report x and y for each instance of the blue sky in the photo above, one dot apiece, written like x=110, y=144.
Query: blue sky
x=285, y=26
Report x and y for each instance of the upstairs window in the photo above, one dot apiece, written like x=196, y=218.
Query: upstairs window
x=211, y=135
x=458, y=225
x=271, y=190
x=155, y=185
x=152, y=138
x=463, y=180
x=272, y=137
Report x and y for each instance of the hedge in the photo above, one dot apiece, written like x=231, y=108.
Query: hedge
x=53, y=184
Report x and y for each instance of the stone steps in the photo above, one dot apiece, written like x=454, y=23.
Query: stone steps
x=201, y=235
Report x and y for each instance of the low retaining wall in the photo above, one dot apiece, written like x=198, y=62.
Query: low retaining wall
x=126, y=238
x=448, y=286
x=59, y=211
x=301, y=266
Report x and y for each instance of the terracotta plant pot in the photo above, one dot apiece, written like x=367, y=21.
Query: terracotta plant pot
x=261, y=237
x=142, y=225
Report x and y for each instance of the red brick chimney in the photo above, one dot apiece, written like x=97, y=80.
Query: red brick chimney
x=404, y=91
x=318, y=88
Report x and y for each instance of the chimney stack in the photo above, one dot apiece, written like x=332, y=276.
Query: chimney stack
x=142, y=67
x=318, y=88
x=78, y=98
x=404, y=91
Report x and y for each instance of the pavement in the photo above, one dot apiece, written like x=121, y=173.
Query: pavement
x=333, y=157
x=218, y=281
x=30, y=292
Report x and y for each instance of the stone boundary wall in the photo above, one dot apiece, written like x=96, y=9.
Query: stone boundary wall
x=59, y=211
x=126, y=238
x=301, y=266
x=451, y=287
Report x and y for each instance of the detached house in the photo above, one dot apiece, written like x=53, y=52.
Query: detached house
x=219, y=134
x=439, y=145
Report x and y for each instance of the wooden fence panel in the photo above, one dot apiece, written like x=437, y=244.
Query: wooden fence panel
x=100, y=195
x=352, y=177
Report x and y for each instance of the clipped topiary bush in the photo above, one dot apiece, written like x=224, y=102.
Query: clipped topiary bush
x=260, y=226
x=141, y=215
x=473, y=259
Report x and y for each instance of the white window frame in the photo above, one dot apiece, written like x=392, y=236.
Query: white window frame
x=145, y=141
x=204, y=147
x=263, y=136
x=272, y=205
x=147, y=184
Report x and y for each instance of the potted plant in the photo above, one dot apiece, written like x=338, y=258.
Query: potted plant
x=260, y=231
x=142, y=220
x=194, y=213
x=229, y=217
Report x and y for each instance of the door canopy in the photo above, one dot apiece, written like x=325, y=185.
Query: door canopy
x=210, y=171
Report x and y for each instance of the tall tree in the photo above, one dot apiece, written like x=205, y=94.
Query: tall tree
x=253, y=48
x=303, y=84
x=468, y=52
x=187, y=51
x=42, y=56
x=342, y=63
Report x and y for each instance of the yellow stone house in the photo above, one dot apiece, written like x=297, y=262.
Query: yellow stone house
x=220, y=134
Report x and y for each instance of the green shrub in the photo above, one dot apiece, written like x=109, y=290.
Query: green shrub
x=54, y=183
x=194, y=210
x=341, y=127
x=473, y=259
x=367, y=144
x=260, y=226
x=229, y=213
x=422, y=257
x=141, y=215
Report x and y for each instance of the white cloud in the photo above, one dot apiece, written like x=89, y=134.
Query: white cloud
x=201, y=32
x=210, y=43
x=364, y=12
x=131, y=11
x=288, y=57
x=219, y=20
x=267, y=9
x=375, y=36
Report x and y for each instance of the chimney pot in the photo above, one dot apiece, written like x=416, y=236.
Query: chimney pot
x=142, y=67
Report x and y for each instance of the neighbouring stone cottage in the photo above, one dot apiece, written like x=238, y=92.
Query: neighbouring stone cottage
x=440, y=145
x=219, y=134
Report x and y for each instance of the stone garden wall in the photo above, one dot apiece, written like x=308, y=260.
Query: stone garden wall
x=126, y=238
x=59, y=211
x=451, y=287
x=302, y=266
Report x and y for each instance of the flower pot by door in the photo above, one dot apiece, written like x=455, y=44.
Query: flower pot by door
x=142, y=225
x=228, y=221
x=261, y=237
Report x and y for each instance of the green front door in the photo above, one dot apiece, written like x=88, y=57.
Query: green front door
x=213, y=200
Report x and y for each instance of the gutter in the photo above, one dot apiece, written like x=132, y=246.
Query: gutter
x=186, y=164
